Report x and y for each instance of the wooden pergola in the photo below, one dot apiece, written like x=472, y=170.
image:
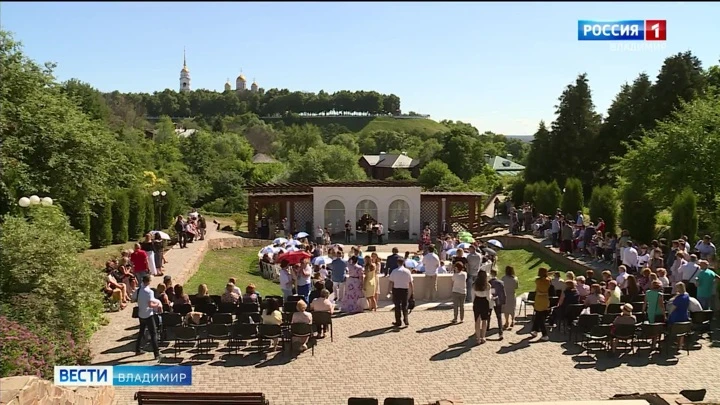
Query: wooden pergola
x=459, y=210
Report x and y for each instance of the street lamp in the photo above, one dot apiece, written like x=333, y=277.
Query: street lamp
x=25, y=202
x=159, y=196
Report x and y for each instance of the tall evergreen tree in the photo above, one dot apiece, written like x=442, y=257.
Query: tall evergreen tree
x=681, y=78
x=538, y=166
x=574, y=132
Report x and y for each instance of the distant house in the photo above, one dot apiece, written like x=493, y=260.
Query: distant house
x=382, y=166
x=505, y=166
x=184, y=132
x=262, y=158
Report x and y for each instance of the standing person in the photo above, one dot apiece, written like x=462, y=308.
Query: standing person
x=654, y=304
x=303, y=277
x=511, y=284
x=369, y=285
x=630, y=258
x=319, y=236
x=474, y=260
x=348, y=231
x=149, y=247
x=499, y=299
x=482, y=305
x=688, y=273
x=542, y=304
x=180, y=229
x=431, y=261
x=393, y=261
x=338, y=268
x=202, y=226
x=705, y=281
x=147, y=307
x=141, y=263
x=380, y=230
x=159, y=253
x=369, y=230
x=401, y=285
x=286, y=279
x=555, y=231
x=459, y=291
x=353, y=288
x=378, y=266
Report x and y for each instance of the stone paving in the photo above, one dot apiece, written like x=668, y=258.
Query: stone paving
x=433, y=360
x=429, y=360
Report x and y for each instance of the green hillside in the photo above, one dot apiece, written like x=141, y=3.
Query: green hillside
x=365, y=124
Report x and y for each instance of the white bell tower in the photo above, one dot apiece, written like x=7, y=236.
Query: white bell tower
x=184, y=75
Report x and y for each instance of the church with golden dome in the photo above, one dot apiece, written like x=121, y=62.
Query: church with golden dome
x=240, y=82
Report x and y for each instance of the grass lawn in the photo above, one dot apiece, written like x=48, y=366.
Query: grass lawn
x=98, y=257
x=526, y=264
x=219, y=265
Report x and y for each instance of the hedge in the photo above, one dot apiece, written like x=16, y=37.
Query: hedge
x=684, y=215
x=79, y=214
x=548, y=197
x=638, y=214
x=149, y=213
x=604, y=204
x=136, y=220
x=101, y=224
x=572, y=198
x=120, y=216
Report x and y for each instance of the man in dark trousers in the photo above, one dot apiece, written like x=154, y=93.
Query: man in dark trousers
x=401, y=285
x=180, y=229
x=499, y=298
x=148, y=306
x=348, y=231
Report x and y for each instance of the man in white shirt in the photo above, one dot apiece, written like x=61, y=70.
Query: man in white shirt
x=319, y=235
x=148, y=306
x=431, y=261
x=688, y=273
x=630, y=258
x=706, y=248
x=401, y=285
x=474, y=260
x=621, y=279
x=286, y=279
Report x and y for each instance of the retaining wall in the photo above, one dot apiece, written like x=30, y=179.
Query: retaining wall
x=527, y=242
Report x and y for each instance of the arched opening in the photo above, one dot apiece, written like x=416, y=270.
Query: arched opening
x=335, y=217
x=366, y=213
x=398, y=226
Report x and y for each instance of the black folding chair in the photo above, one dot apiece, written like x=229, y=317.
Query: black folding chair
x=323, y=319
x=268, y=332
x=650, y=332
x=240, y=333
x=676, y=331
x=222, y=319
x=614, y=309
x=170, y=320
x=182, y=309
x=583, y=325
x=185, y=336
x=303, y=330
x=702, y=321
x=599, y=334
x=227, y=307
x=625, y=333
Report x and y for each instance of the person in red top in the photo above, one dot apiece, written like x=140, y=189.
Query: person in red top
x=139, y=259
x=600, y=226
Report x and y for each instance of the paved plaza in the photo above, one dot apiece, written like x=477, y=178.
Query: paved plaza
x=431, y=360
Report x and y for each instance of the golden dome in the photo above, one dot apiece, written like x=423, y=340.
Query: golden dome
x=241, y=78
x=185, y=69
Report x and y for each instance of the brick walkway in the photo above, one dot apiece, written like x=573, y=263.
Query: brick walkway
x=432, y=360
x=104, y=343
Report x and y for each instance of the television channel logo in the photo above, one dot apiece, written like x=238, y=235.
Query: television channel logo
x=83, y=376
x=624, y=30
x=92, y=376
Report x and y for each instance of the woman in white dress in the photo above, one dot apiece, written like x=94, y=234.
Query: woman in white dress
x=511, y=285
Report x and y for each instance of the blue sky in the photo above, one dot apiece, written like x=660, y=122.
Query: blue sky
x=499, y=66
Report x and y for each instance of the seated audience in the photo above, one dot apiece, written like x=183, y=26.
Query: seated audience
x=272, y=316
x=229, y=296
x=318, y=286
x=301, y=316
x=161, y=296
x=180, y=297
x=582, y=288
x=202, y=298
x=625, y=318
x=322, y=304
x=595, y=296
x=236, y=289
x=251, y=296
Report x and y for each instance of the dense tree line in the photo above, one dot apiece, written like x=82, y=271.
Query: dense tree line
x=207, y=103
x=657, y=140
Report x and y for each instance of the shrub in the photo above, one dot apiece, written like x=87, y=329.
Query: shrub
x=170, y=209
x=25, y=352
x=572, y=198
x=149, y=214
x=43, y=281
x=239, y=219
x=517, y=191
x=136, y=221
x=638, y=213
x=530, y=193
x=79, y=213
x=548, y=197
x=120, y=216
x=604, y=204
x=217, y=205
x=684, y=215
x=101, y=224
